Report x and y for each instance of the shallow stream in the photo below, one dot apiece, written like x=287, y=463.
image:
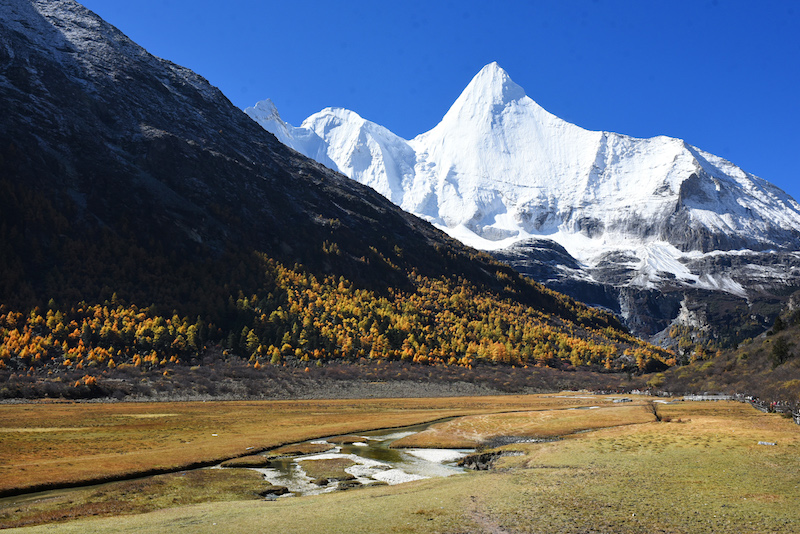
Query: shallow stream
x=375, y=462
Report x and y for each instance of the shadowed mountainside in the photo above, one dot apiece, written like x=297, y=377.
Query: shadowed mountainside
x=146, y=222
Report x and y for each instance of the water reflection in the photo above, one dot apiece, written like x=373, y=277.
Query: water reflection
x=375, y=462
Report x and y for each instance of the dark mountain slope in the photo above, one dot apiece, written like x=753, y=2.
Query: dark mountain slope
x=136, y=146
x=141, y=151
x=150, y=220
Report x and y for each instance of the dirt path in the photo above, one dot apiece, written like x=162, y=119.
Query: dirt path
x=484, y=522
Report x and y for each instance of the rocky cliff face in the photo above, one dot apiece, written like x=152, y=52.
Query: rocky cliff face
x=738, y=295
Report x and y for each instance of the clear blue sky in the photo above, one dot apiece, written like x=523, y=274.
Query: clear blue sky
x=723, y=75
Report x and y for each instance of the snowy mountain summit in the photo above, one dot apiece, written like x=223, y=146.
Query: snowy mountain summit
x=500, y=171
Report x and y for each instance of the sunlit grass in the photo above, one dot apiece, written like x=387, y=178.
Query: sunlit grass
x=328, y=469
x=64, y=443
x=476, y=430
x=706, y=473
x=300, y=449
x=255, y=460
x=135, y=496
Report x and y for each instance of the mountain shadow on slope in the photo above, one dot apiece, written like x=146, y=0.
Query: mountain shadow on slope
x=145, y=221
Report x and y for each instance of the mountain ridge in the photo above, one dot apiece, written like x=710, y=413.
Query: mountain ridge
x=499, y=169
x=490, y=110
x=153, y=237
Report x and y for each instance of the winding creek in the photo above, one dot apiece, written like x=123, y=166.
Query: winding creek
x=374, y=462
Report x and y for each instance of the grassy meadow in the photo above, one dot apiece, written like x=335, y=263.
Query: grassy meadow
x=701, y=469
x=58, y=444
x=473, y=431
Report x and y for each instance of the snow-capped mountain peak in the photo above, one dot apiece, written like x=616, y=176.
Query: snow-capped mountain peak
x=266, y=114
x=500, y=169
x=301, y=139
x=491, y=88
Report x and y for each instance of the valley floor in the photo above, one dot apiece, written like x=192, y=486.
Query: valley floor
x=705, y=467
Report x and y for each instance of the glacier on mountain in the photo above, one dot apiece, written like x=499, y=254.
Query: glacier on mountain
x=499, y=170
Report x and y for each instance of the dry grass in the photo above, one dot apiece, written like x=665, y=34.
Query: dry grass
x=255, y=460
x=705, y=475
x=300, y=449
x=55, y=444
x=473, y=431
x=328, y=469
x=133, y=496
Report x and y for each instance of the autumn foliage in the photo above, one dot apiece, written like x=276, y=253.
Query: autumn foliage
x=299, y=318
x=100, y=303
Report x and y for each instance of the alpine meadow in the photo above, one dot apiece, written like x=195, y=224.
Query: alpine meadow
x=212, y=319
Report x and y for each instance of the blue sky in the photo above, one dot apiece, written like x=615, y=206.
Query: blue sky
x=723, y=75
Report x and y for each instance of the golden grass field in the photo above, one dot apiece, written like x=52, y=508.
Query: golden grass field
x=472, y=431
x=629, y=474
x=65, y=443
